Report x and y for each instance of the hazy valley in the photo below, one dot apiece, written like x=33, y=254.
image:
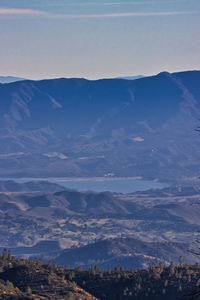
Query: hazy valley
x=124, y=228
x=75, y=129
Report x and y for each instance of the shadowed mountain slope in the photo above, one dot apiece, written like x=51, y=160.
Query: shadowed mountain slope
x=22, y=279
x=76, y=127
x=32, y=186
x=126, y=252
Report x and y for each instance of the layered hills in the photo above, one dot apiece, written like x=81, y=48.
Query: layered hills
x=76, y=127
x=101, y=228
x=126, y=252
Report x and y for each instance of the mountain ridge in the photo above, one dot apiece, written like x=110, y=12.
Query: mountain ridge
x=127, y=252
x=10, y=79
x=129, y=128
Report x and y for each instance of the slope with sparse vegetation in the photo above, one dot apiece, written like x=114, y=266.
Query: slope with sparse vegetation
x=26, y=279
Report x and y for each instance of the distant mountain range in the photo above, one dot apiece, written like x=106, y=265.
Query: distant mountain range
x=131, y=77
x=11, y=186
x=82, y=128
x=9, y=79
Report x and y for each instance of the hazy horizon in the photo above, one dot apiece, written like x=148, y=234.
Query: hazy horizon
x=48, y=39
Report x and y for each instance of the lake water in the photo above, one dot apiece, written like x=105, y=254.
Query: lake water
x=99, y=185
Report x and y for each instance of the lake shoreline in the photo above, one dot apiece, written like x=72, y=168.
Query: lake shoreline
x=75, y=178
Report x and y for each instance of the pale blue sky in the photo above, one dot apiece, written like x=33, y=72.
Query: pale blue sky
x=99, y=38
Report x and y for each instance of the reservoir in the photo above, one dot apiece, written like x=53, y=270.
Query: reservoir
x=117, y=185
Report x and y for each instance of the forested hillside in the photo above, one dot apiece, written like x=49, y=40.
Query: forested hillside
x=25, y=279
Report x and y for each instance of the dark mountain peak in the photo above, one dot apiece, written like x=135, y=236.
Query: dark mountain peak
x=164, y=73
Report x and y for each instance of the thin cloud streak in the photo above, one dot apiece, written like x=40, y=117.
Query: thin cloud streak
x=129, y=14
x=99, y=4
x=112, y=3
x=16, y=11
x=37, y=13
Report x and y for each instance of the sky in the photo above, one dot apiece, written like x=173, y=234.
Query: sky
x=99, y=38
